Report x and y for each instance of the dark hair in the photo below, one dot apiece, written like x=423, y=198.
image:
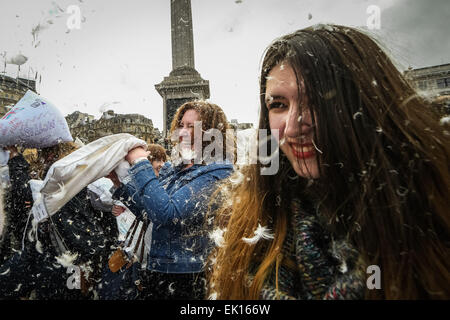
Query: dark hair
x=384, y=172
x=40, y=163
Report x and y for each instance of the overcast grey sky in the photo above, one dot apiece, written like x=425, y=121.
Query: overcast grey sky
x=123, y=47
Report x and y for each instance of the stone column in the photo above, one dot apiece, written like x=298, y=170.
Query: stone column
x=182, y=37
x=184, y=83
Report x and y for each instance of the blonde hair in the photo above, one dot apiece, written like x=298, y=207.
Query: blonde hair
x=249, y=206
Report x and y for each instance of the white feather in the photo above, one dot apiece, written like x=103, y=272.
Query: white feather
x=217, y=236
x=237, y=178
x=18, y=287
x=3, y=273
x=39, y=246
x=343, y=267
x=445, y=120
x=171, y=289
x=61, y=192
x=213, y=296
x=260, y=233
x=66, y=259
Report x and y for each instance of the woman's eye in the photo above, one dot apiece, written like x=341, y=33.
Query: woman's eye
x=276, y=105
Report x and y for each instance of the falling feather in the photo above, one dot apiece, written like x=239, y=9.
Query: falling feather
x=444, y=120
x=278, y=201
x=316, y=147
x=3, y=273
x=357, y=114
x=171, y=289
x=61, y=192
x=39, y=246
x=66, y=259
x=217, y=236
x=259, y=233
x=237, y=178
x=213, y=296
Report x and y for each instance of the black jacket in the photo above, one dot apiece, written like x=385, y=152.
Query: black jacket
x=16, y=206
x=84, y=230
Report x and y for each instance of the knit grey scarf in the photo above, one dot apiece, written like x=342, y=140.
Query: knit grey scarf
x=314, y=265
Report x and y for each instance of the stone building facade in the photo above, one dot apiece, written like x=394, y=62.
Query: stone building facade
x=87, y=129
x=433, y=81
x=12, y=90
x=240, y=126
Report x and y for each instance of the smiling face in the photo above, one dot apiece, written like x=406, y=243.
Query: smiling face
x=186, y=129
x=295, y=127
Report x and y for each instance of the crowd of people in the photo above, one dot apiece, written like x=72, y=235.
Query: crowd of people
x=363, y=181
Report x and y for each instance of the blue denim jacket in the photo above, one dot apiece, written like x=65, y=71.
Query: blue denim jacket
x=176, y=204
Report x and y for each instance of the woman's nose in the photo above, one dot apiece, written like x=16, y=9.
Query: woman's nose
x=292, y=126
x=184, y=133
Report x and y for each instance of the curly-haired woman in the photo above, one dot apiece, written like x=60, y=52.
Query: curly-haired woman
x=176, y=203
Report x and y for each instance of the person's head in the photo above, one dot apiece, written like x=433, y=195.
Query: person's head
x=288, y=112
x=330, y=91
x=49, y=155
x=157, y=157
x=211, y=117
x=349, y=120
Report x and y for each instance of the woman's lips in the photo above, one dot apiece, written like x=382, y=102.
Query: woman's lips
x=185, y=142
x=303, y=151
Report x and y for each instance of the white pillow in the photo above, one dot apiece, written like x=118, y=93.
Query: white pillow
x=67, y=176
x=4, y=157
x=33, y=122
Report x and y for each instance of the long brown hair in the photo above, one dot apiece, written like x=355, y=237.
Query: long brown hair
x=384, y=172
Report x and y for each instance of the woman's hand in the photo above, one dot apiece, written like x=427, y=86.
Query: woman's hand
x=136, y=153
x=117, y=210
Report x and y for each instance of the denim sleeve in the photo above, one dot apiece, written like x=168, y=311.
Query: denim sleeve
x=127, y=195
x=163, y=208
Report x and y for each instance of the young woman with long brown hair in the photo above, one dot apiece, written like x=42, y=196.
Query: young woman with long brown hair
x=363, y=181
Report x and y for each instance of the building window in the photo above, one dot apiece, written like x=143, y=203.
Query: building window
x=443, y=83
x=422, y=85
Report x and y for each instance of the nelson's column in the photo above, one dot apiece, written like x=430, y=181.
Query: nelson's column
x=184, y=83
